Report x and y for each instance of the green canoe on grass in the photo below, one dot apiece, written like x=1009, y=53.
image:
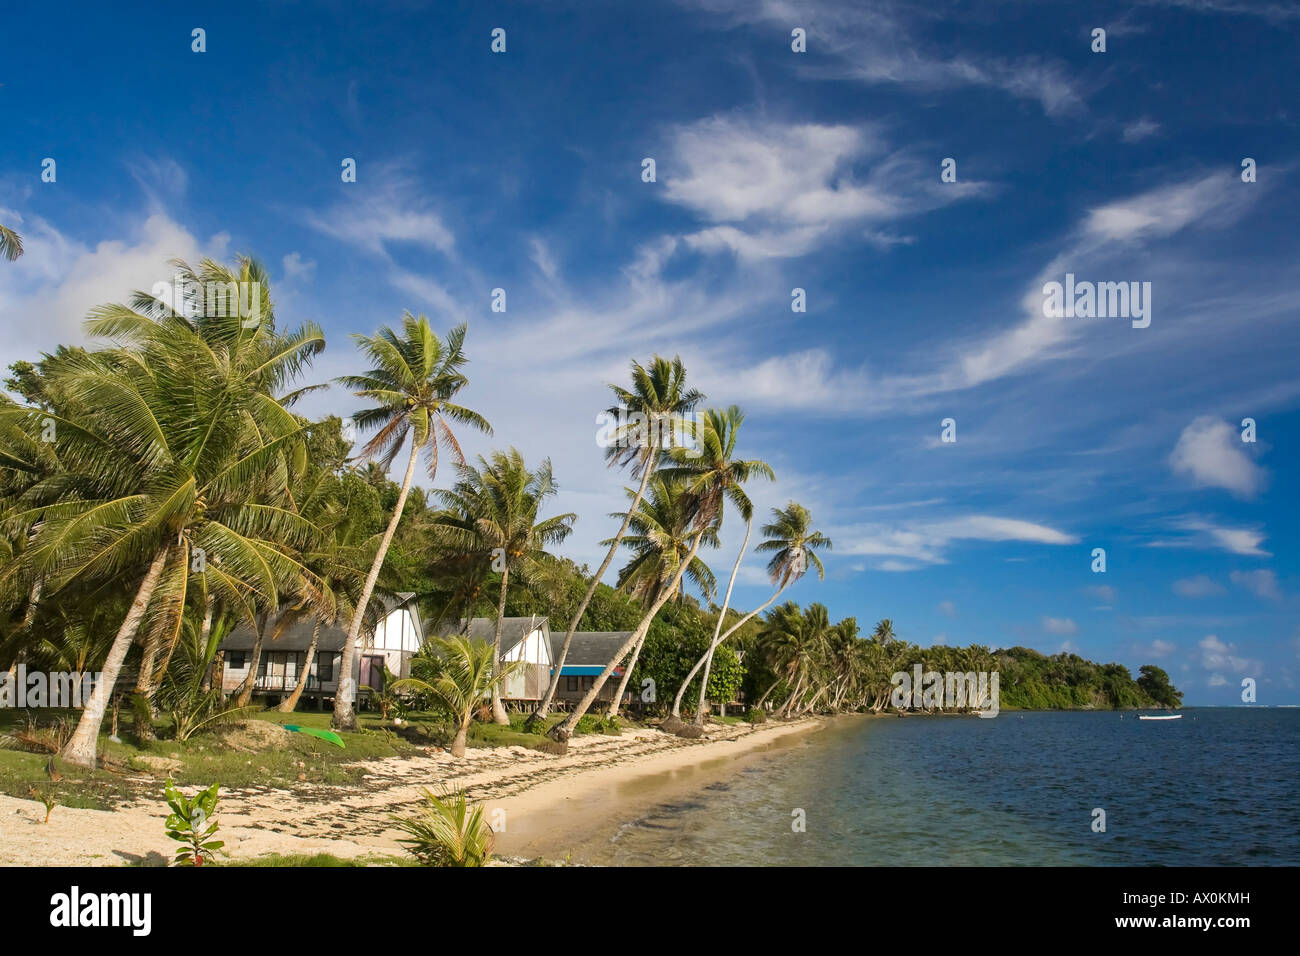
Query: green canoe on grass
x=322, y=734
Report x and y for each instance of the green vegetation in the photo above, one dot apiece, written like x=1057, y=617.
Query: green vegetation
x=191, y=824
x=448, y=832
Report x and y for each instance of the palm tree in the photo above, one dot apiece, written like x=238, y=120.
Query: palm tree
x=11, y=244
x=494, y=507
x=884, y=632
x=663, y=529
x=793, y=543
x=660, y=534
x=469, y=671
x=413, y=381
x=717, y=468
x=650, y=412
x=794, y=643
x=148, y=480
x=711, y=479
x=337, y=560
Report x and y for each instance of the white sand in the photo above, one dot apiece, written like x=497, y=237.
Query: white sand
x=549, y=804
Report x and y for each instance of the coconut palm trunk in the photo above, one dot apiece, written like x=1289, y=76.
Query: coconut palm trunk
x=499, y=715
x=205, y=631
x=719, y=640
x=627, y=676
x=149, y=673
x=717, y=628
x=81, y=748
x=345, y=717
x=562, y=731
x=245, y=692
x=544, y=708
x=289, y=703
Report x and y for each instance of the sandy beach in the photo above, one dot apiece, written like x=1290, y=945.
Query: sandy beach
x=544, y=806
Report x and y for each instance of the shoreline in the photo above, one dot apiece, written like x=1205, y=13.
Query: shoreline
x=570, y=814
x=553, y=806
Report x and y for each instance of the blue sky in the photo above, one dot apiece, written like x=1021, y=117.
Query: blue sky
x=775, y=170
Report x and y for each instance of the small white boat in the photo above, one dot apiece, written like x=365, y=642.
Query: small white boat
x=1169, y=717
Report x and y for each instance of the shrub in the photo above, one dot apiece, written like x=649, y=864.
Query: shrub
x=755, y=715
x=448, y=832
x=188, y=824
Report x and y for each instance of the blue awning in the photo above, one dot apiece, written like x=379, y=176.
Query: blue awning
x=582, y=670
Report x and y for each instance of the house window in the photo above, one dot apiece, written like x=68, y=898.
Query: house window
x=325, y=668
x=588, y=683
x=572, y=684
x=236, y=661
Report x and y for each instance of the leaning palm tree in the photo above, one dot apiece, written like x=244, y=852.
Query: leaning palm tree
x=649, y=416
x=663, y=532
x=706, y=507
x=793, y=543
x=494, y=508
x=717, y=468
x=468, y=671
x=11, y=244
x=660, y=534
x=148, y=481
x=413, y=381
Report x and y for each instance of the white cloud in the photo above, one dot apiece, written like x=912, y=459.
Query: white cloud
x=1199, y=586
x=1165, y=210
x=1060, y=625
x=1208, y=534
x=1262, y=583
x=778, y=190
x=1103, y=592
x=874, y=45
x=947, y=609
x=1212, y=453
x=911, y=545
x=1161, y=648
x=1140, y=129
x=1216, y=656
x=1217, y=680
x=384, y=207
x=60, y=279
x=296, y=267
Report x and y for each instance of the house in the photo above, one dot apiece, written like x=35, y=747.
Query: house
x=589, y=654
x=531, y=639
x=522, y=638
x=396, y=638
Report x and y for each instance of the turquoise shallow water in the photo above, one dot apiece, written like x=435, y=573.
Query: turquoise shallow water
x=1215, y=788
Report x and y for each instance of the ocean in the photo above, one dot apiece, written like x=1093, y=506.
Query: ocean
x=1217, y=787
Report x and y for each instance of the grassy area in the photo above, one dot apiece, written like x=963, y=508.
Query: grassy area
x=235, y=759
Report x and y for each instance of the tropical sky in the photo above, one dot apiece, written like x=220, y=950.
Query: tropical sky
x=775, y=170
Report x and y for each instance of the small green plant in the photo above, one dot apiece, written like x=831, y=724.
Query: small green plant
x=190, y=823
x=755, y=715
x=447, y=832
x=48, y=800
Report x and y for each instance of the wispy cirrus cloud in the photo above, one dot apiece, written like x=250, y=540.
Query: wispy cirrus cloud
x=777, y=190
x=917, y=544
x=1210, y=535
x=879, y=45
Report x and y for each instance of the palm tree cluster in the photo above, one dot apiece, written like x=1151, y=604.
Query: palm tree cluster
x=158, y=489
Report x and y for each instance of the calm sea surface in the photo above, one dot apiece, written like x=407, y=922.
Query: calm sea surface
x=1218, y=787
